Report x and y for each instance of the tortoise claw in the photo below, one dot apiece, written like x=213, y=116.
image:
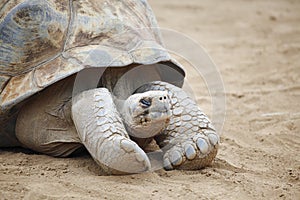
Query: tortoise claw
x=192, y=153
x=122, y=156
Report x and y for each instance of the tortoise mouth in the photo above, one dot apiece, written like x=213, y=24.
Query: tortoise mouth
x=153, y=116
x=150, y=124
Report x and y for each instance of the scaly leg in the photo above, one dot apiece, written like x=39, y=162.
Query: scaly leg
x=102, y=132
x=190, y=141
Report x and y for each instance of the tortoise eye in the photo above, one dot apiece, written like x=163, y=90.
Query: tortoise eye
x=145, y=103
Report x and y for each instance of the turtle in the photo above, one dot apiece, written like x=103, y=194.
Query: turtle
x=94, y=75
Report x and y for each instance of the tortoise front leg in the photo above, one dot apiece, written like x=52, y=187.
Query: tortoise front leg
x=190, y=141
x=102, y=132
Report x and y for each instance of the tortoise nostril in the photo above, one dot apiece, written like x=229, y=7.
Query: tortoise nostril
x=162, y=98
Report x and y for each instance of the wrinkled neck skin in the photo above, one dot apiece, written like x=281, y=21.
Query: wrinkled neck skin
x=146, y=115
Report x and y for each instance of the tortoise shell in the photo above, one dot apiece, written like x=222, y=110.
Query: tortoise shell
x=44, y=41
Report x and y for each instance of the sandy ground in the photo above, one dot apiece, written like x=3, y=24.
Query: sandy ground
x=256, y=45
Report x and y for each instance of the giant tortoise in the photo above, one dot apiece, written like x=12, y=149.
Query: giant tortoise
x=45, y=45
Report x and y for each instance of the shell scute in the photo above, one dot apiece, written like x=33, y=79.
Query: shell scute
x=30, y=34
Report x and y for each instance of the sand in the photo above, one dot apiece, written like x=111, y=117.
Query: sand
x=256, y=46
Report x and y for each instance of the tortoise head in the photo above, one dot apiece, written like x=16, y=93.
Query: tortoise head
x=146, y=114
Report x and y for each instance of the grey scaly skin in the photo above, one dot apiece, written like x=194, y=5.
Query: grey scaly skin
x=58, y=127
x=190, y=141
x=102, y=132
